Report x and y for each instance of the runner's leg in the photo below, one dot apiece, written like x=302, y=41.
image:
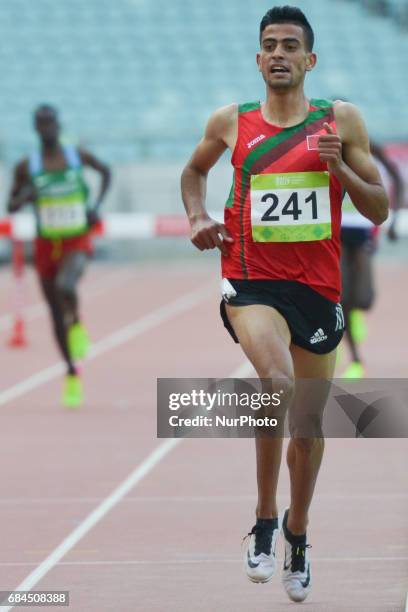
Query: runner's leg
x=265, y=338
x=304, y=455
x=57, y=314
x=69, y=273
x=364, y=293
x=350, y=280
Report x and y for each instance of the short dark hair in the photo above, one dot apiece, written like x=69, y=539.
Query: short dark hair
x=288, y=14
x=46, y=109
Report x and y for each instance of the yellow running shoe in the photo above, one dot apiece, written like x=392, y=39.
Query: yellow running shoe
x=78, y=341
x=354, y=370
x=358, y=326
x=72, y=393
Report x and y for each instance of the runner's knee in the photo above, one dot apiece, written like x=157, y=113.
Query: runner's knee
x=65, y=285
x=365, y=301
x=305, y=427
x=307, y=446
x=69, y=274
x=276, y=381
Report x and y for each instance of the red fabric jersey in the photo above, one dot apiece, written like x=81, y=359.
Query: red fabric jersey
x=285, y=223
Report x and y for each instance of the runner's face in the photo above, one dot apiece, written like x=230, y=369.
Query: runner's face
x=47, y=128
x=283, y=59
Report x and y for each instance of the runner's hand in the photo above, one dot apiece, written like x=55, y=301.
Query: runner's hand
x=28, y=193
x=92, y=217
x=329, y=147
x=208, y=234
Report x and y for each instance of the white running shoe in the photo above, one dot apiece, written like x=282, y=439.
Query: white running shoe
x=296, y=575
x=260, y=560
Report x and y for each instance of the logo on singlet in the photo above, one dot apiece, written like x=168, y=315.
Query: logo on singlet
x=255, y=141
x=43, y=181
x=318, y=336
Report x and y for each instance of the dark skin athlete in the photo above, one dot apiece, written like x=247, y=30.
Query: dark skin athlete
x=398, y=192
x=398, y=186
x=63, y=305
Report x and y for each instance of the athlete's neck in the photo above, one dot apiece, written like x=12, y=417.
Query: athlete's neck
x=49, y=149
x=285, y=108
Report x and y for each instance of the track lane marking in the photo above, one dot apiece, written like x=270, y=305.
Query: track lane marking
x=153, y=459
x=39, y=309
x=188, y=561
x=110, y=342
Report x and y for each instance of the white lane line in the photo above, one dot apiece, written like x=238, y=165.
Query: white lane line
x=118, y=338
x=92, y=519
x=131, y=481
x=39, y=309
x=26, y=501
x=188, y=561
x=32, y=382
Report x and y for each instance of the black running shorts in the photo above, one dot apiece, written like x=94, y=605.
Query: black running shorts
x=315, y=323
x=355, y=236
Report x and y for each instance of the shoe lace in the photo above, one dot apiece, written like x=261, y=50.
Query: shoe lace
x=263, y=539
x=298, y=557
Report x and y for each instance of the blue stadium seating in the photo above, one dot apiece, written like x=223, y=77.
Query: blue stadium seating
x=138, y=78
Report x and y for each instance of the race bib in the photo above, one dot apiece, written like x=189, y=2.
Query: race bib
x=62, y=218
x=290, y=207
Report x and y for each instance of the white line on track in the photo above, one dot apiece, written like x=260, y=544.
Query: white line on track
x=141, y=470
x=92, y=519
x=189, y=561
x=200, y=499
x=39, y=309
x=112, y=341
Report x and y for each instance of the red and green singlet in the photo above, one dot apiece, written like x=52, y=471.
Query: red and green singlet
x=284, y=208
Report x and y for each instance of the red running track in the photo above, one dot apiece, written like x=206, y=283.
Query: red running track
x=171, y=540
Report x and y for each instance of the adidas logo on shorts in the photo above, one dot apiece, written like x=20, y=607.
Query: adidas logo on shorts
x=318, y=336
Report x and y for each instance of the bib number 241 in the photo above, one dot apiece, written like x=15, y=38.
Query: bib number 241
x=290, y=208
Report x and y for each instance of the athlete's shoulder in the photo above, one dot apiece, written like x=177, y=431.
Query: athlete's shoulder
x=84, y=154
x=345, y=110
x=226, y=117
x=321, y=103
x=225, y=114
x=89, y=159
x=222, y=121
x=349, y=120
x=248, y=107
x=22, y=167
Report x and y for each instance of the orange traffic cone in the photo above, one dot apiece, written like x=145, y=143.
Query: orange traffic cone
x=18, y=336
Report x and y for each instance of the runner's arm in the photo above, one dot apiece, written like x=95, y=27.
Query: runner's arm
x=22, y=190
x=349, y=159
x=218, y=136
x=398, y=192
x=90, y=160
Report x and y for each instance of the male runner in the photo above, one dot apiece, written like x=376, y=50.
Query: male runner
x=280, y=246
x=52, y=179
x=358, y=241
